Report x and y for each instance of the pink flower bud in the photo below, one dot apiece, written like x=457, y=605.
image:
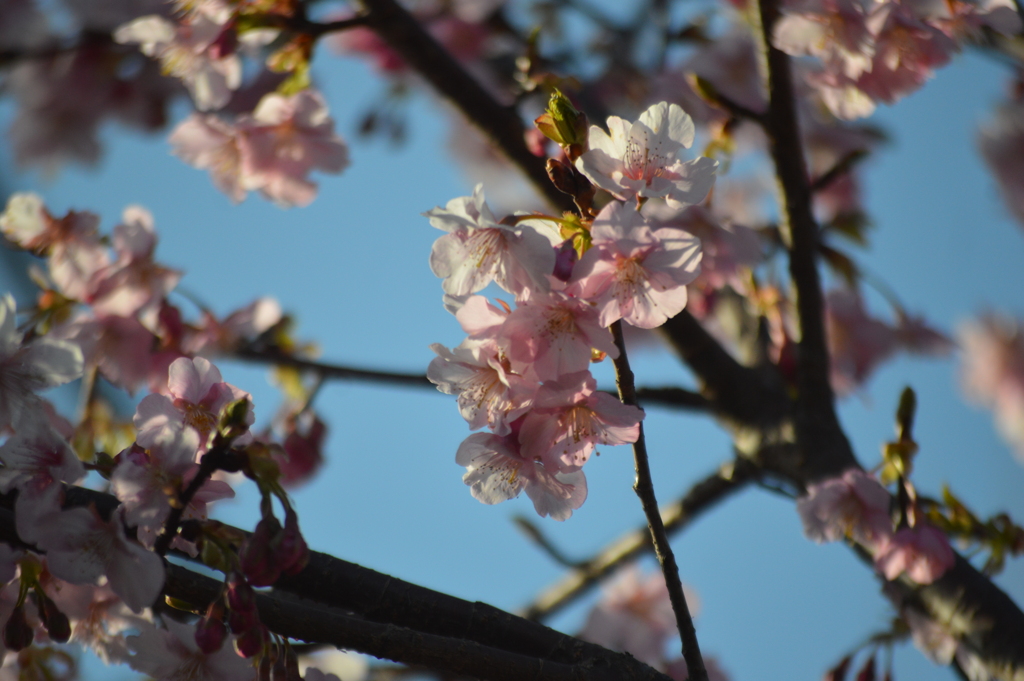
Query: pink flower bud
x=251, y=642
x=257, y=558
x=241, y=597
x=212, y=631
x=565, y=258
x=17, y=632
x=292, y=552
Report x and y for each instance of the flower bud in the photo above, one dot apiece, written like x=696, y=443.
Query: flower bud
x=56, y=623
x=257, y=558
x=565, y=258
x=251, y=642
x=241, y=597
x=563, y=123
x=212, y=631
x=292, y=552
x=18, y=634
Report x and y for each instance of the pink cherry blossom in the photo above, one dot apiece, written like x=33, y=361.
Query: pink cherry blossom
x=186, y=51
x=302, y=450
x=854, y=505
x=26, y=368
x=643, y=158
x=907, y=50
x=37, y=460
x=496, y=471
x=489, y=393
x=172, y=653
x=992, y=372
x=134, y=285
x=635, y=273
x=72, y=242
x=570, y=418
x=835, y=31
x=1002, y=145
x=121, y=347
x=922, y=552
x=81, y=548
x=144, y=479
x=238, y=328
x=555, y=332
x=98, y=617
x=478, y=249
x=634, y=615
x=284, y=140
x=207, y=142
x=480, y=319
x=196, y=396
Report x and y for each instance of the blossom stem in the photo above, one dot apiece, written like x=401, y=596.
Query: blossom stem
x=644, y=488
x=212, y=461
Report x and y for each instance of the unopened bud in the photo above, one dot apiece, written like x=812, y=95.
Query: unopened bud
x=565, y=258
x=56, y=623
x=235, y=418
x=241, y=597
x=211, y=631
x=18, y=634
x=563, y=124
x=292, y=550
x=250, y=643
x=257, y=559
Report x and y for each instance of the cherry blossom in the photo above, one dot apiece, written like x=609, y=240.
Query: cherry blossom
x=634, y=615
x=209, y=143
x=489, y=393
x=26, y=368
x=1002, y=144
x=185, y=49
x=241, y=326
x=836, y=31
x=135, y=284
x=854, y=505
x=144, y=479
x=633, y=272
x=643, y=158
x=121, y=347
x=497, y=471
x=992, y=372
x=555, y=333
x=569, y=418
x=196, y=396
x=284, y=140
x=478, y=249
x=82, y=548
x=172, y=653
x=72, y=242
x=922, y=552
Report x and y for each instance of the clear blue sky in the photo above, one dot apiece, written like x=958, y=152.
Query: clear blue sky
x=353, y=269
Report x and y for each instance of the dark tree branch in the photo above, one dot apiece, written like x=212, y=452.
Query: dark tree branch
x=819, y=437
x=644, y=488
x=309, y=621
x=668, y=396
x=501, y=124
x=713, y=489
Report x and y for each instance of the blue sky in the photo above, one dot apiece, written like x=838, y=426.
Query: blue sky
x=352, y=268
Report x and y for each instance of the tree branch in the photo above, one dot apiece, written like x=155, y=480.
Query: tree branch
x=304, y=620
x=819, y=437
x=501, y=124
x=718, y=486
x=644, y=488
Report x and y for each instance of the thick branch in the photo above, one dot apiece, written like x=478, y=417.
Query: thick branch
x=644, y=488
x=308, y=621
x=501, y=124
x=819, y=436
x=718, y=486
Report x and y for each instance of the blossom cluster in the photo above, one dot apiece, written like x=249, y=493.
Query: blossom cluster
x=856, y=506
x=104, y=312
x=881, y=50
x=523, y=370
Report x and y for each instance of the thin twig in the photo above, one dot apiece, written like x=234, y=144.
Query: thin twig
x=679, y=398
x=211, y=462
x=644, y=488
x=713, y=489
x=835, y=172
